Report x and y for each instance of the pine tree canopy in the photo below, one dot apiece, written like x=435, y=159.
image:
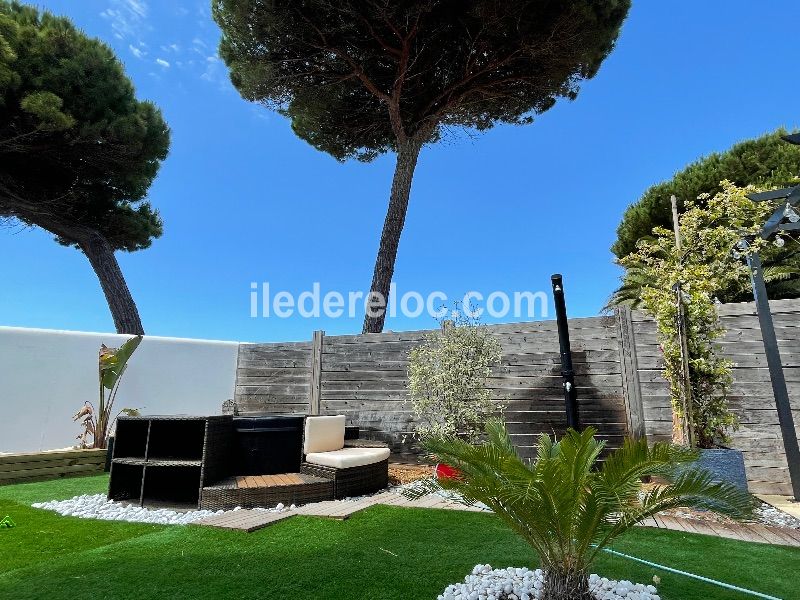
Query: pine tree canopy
x=77, y=149
x=767, y=161
x=358, y=77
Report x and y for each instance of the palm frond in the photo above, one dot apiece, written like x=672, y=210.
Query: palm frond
x=564, y=505
x=697, y=488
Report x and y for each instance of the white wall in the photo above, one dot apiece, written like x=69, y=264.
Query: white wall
x=46, y=375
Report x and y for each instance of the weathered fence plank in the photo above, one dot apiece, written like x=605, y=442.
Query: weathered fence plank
x=631, y=387
x=315, y=386
x=273, y=378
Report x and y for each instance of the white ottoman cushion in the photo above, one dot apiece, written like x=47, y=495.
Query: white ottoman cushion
x=348, y=457
x=323, y=434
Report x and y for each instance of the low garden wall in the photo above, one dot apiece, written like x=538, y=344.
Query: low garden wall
x=41, y=466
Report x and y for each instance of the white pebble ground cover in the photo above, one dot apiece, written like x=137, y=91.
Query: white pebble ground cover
x=97, y=506
x=769, y=515
x=512, y=583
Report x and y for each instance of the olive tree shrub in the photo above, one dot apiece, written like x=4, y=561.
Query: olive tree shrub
x=447, y=377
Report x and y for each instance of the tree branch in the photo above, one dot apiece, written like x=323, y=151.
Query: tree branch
x=358, y=71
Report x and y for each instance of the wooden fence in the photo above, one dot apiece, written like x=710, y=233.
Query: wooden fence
x=759, y=435
x=41, y=466
x=618, y=367
x=364, y=377
x=751, y=398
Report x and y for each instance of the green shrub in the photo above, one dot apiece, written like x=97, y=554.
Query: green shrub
x=447, y=377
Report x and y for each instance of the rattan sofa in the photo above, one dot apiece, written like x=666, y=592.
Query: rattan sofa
x=356, y=467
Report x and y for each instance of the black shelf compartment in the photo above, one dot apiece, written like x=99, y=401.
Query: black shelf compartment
x=130, y=439
x=176, y=439
x=126, y=482
x=268, y=444
x=164, y=460
x=175, y=486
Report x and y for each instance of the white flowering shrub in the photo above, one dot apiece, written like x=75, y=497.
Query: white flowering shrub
x=447, y=377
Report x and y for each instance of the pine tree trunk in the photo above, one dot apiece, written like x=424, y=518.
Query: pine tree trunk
x=105, y=265
x=566, y=585
x=407, y=155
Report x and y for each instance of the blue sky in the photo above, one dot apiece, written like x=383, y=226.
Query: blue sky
x=244, y=200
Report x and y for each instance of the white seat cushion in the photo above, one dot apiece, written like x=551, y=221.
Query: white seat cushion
x=348, y=457
x=323, y=434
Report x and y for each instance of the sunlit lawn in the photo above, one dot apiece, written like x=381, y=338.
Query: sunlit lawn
x=383, y=552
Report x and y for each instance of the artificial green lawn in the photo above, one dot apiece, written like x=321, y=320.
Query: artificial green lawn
x=381, y=553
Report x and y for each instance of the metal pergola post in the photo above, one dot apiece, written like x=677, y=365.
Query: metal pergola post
x=777, y=222
x=775, y=364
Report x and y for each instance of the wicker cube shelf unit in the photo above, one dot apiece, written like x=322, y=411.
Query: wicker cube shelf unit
x=165, y=461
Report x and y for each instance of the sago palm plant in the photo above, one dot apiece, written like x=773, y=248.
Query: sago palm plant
x=566, y=503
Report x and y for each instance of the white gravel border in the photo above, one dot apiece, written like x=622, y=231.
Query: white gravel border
x=512, y=583
x=97, y=506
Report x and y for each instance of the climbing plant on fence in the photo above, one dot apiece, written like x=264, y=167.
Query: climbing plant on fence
x=710, y=228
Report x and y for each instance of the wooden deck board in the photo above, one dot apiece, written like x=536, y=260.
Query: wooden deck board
x=279, y=480
x=335, y=509
x=794, y=533
x=696, y=527
x=319, y=509
x=245, y=520
x=787, y=536
x=746, y=532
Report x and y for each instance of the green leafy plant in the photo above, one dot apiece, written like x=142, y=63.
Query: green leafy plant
x=767, y=162
x=447, y=377
x=705, y=265
x=565, y=503
x=111, y=366
x=7, y=522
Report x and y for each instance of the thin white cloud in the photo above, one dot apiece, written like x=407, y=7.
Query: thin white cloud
x=171, y=48
x=126, y=17
x=204, y=12
x=212, y=70
x=162, y=62
x=216, y=73
x=138, y=7
x=137, y=52
x=199, y=47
